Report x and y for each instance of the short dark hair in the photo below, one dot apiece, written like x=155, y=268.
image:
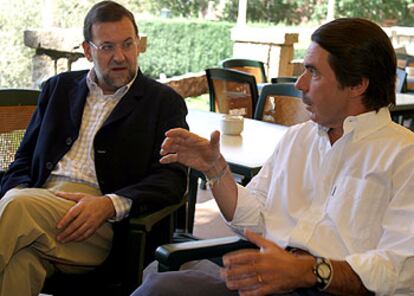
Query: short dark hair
x=105, y=11
x=360, y=49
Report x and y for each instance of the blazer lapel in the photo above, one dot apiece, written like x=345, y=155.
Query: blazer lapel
x=77, y=98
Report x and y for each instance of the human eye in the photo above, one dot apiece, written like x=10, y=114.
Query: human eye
x=312, y=71
x=128, y=44
x=107, y=47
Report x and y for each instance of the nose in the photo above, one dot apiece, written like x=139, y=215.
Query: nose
x=302, y=82
x=119, y=54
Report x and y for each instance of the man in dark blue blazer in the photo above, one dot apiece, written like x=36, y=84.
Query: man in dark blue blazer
x=90, y=156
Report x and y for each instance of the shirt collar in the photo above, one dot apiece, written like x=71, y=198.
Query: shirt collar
x=363, y=124
x=96, y=91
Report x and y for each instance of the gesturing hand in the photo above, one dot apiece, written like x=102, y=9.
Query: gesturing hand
x=270, y=270
x=190, y=149
x=85, y=217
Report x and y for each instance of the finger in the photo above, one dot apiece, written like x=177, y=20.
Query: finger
x=177, y=132
x=242, y=281
x=235, y=272
x=169, y=142
x=247, y=256
x=82, y=233
x=258, y=290
x=215, y=138
x=75, y=196
x=68, y=232
x=259, y=240
x=169, y=158
x=69, y=217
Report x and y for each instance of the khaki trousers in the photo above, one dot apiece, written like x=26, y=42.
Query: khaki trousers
x=29, y=251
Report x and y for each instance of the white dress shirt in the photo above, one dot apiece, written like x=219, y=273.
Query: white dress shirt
x=78, y=165
x=353, y=200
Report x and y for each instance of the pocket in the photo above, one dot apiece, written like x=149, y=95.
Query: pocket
x=357, y=211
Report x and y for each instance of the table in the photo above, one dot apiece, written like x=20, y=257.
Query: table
x=403, y=111
x=245, y=154
x=404, y=101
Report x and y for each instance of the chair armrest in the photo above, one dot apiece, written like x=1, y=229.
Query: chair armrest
x=146, y=221
x=172, y=256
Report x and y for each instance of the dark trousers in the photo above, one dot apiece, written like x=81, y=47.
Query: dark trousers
x=196, y=282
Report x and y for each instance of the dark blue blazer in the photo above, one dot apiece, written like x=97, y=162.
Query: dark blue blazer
x=126, y=146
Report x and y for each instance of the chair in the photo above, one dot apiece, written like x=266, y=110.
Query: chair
x=284, y=79
x=232, y=92
x=404, y=60
x=170, y=257
x=133, y=247
x=135, y=239
x=281, y=103
x=252, y=67
x=401, y=81
x=16, y=109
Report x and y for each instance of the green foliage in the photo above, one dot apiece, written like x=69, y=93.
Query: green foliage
x=300, y=11
x=381, y=11
x=178, y=46
x=15, y=60
x=178, y=8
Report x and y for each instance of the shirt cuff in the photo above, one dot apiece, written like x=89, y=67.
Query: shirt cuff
x=248, y=212
x=122, y=207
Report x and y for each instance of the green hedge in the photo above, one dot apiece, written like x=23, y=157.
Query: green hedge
x=176, y=47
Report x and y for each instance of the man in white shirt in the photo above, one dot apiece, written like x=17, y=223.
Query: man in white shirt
x=338, y=190
x=89, y=158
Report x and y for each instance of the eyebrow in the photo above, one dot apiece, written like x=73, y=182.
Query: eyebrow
x=309, y=66
x=106, y=42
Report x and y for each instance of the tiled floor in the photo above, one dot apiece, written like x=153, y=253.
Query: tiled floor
x=208, y=223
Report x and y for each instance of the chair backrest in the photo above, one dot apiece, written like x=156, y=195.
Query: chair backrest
x=404, y=60
x=281, y=103
x=16, y=110
x=401, y=81
x=252, y=67
x=284, y=79
x=232, y=92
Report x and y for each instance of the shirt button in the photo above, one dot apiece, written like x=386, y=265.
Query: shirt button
x=68, y=141
x=49, y=165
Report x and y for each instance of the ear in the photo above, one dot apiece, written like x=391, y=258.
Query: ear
x=139, y=43
x=87, y=51
x=359, y=89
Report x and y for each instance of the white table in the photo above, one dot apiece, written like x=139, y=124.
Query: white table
x=245, y=154
x=404, y=101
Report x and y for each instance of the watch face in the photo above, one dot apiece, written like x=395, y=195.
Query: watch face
x=324, y=271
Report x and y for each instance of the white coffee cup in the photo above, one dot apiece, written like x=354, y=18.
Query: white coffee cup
x=231, y=125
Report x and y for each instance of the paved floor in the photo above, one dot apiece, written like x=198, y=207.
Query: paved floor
x=208, y=222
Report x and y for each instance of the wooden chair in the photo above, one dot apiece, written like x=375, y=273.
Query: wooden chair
x=252, y=67
x=232, y=92
x=16, y=109
x=281, y=103
x=404, y=60
x=135, y=238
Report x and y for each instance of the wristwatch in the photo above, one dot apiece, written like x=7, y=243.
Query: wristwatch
x=323, y=271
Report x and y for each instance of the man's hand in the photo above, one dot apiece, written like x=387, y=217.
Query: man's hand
x=85, y=217
x=270, y=270
x=190, y=149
